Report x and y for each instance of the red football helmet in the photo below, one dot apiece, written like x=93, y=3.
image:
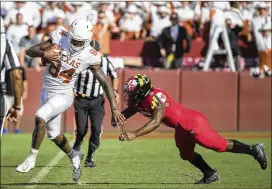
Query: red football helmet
x=136, y=88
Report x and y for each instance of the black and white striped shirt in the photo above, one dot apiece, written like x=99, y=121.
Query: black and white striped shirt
x=87, y=85
x=9, y=59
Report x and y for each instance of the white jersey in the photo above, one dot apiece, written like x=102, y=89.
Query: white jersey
x=61, y=76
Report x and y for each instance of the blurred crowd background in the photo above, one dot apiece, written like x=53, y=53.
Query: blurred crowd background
x=149, y=36
x=28, y=23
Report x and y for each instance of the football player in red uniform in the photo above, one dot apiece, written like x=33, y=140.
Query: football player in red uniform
x=191, y=127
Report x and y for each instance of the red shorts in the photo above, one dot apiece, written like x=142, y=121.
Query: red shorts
x=201, y=134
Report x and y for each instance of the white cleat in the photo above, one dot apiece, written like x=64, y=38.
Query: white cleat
x=27, y=165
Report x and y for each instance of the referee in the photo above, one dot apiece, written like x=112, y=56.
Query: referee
x=89, y=101
x=9, y=62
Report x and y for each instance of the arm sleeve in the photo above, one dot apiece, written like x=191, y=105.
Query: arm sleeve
x=11, y=59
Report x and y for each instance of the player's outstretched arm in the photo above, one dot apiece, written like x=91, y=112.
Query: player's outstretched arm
x=51, y=54
x=36, y=50
x=101, y=77
x=128, y=112
x=153, y=124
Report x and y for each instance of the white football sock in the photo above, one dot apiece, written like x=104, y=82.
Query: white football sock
x=33, y=152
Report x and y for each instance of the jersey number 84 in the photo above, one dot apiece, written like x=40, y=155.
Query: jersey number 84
x=66, y=75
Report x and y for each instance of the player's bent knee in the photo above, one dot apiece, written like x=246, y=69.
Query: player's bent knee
x=39, y=114
x=51, y=135
x=40, y=122
x=186, y=156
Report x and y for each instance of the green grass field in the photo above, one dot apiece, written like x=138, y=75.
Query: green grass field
x=143, y=163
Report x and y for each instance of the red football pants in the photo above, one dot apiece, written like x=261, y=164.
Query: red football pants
x=201, y=134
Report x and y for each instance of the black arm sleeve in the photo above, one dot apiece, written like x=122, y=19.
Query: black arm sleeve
x=128, y=112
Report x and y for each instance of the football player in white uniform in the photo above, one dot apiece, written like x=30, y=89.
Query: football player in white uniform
x=75, y=55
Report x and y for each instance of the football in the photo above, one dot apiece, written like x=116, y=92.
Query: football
x=55, y=47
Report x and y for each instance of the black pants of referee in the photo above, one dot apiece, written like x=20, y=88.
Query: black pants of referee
x=95, y=109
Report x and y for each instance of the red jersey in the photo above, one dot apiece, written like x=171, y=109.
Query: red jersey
x=176, y=115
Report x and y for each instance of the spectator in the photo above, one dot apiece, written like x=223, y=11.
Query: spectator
x=93, y=16
x=105, y=7
x=154, y=7
x=265, y=50
x=131, y=24
x=77, y=12
x=5, y=7
x=263, y=40
x=12, y=14
x=102, y=33
x=187, y=17
x=10, y=99
x=205, y=12
x=263, y=16
x=31, y=16
x=122, y=7
x=176, y=5
x=26, y=42
x=246, y=11
x=171, y=43
x=16, y=31
x=185, y=13
x=160, y=20
x=60, y=22
x=50, y=14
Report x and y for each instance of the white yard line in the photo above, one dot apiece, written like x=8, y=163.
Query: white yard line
x=46, y=169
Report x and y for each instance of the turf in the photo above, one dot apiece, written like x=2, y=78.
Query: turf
x=143, y=163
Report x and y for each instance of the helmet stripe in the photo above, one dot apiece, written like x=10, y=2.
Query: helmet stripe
x=141, y=81
x=158, y=99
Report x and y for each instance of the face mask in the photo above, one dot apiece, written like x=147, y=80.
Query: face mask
x=76, y=45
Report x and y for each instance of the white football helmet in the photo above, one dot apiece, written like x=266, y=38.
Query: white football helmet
x=80, y=34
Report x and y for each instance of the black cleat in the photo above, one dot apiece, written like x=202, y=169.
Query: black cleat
x=209, y=179
x=260, y=155
x=89, y=163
